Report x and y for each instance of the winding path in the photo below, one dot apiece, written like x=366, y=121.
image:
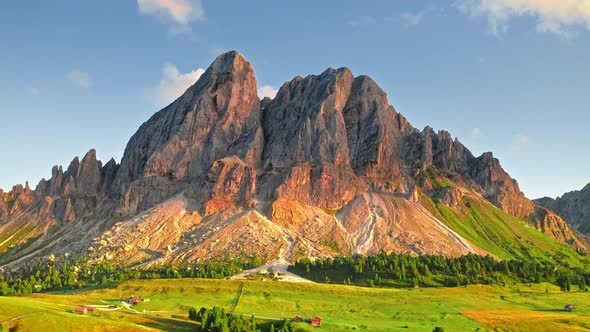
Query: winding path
x=14, y=319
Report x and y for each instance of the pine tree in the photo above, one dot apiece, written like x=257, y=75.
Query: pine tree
x=192, y=313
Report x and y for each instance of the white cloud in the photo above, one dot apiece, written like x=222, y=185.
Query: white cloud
x=412, y=19
x=362, y=21
x=173, y=84
x=476, y=133
x=181, y=12
x=267, y=91
x=554, y=16
x=31, y=90
x=520, y=141
x=80, y=78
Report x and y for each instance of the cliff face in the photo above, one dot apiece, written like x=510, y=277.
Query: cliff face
x=553, y=225
x=217, y=117
x=574, y=207
x=327, y=166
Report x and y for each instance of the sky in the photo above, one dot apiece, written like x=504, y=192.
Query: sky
x=507, y=76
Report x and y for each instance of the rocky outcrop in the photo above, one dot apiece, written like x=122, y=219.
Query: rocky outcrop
x=498, y=187
x=304, y=122
x=374, y=132
x=230, y=179
x=217, y=117
x=450, y=196
x=574, y=207
x=553, y=225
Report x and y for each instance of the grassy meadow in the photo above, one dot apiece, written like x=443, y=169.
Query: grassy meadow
x=538, y=307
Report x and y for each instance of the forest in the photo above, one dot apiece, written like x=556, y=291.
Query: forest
x=82, y=273
x=218, y=320
x=402, y=271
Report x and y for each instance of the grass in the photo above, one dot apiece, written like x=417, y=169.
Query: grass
x=9, y=239
x=501, y=234
x=538, y=307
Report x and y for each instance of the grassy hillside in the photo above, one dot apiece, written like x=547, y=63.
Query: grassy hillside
x=535, y=308
x=13, y=236
x=501, y=234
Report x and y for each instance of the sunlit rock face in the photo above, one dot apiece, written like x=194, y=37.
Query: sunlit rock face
x=326, y=167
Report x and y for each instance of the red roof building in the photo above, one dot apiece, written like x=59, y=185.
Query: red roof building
x=133, y=300
x=81, y=310
x=316, y=321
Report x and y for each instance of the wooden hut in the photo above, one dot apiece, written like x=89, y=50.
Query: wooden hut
x=81, y=310
x=316, y=321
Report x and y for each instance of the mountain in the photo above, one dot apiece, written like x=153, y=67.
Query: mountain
x=327, y=167
x=573, y=206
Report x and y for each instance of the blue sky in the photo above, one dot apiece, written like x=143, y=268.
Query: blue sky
x=508, y=76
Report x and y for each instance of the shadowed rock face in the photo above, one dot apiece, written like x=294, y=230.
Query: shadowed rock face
x=574, y=207
x=552, y=224
x=328, y=160
x=304, y=123
x=498, y=187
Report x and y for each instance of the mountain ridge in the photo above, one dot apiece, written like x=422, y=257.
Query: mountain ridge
x=572, y=206
x=327, y=166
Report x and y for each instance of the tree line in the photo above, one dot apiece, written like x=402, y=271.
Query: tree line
x=218, y=320
x=403, y=270
x=81, y=273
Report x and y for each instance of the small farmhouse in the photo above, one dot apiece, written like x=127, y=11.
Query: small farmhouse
x=570, y=307
x=298, y=319
x=133, y=300
x=81, y=310
x=316, y=321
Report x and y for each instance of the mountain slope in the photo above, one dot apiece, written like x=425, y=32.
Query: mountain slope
x=326, y=167
x=574, y=207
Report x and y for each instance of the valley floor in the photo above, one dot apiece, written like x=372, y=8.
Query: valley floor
x=538, y=307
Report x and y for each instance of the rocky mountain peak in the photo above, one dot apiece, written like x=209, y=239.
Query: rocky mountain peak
x=217, y=117
x=304, y=122
x=328, y=160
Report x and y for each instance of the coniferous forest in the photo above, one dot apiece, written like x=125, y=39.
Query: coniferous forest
x=80, y=273
x=401, y=270
x=217, y=319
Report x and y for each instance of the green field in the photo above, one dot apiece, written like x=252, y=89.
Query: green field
x=474, y=308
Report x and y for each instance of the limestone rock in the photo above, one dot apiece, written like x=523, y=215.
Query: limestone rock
x=216, y=117
x=573, y=206
x=450, y=196
x=304, y=122
x=326, y=167
x=554, y=226
x=499, y=188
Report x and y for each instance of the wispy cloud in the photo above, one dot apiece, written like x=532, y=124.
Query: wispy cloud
x=476, y=133
x=362, y=21
x=178, y=12
x=173, y=84
x=554, y=16
x=520, y=141
x=33, y=91
x=80, y=78
x=267, y=91
x=411, y=19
